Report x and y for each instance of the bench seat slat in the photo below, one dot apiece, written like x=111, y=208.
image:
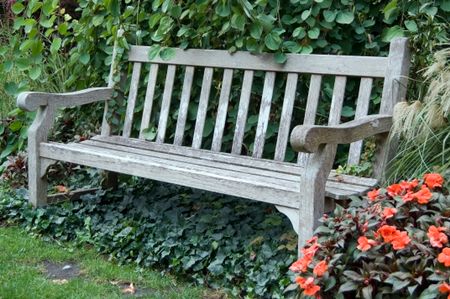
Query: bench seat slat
x=360, y=66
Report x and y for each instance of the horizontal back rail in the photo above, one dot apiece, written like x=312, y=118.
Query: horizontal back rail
x=359, y=66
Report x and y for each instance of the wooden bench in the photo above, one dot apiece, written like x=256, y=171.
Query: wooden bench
x=297, y=189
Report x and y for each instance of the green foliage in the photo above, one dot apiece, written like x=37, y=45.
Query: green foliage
x=242, y=246
x=382, y=246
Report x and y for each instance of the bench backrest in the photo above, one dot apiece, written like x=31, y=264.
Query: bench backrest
x=207, y=63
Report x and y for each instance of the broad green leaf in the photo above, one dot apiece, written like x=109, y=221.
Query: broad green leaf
x=62, y=28
x=272, y=41
x=238, y=22
x=167, y=53
x=154, y=51
x=256, y=30
x=345, y=17
x=35, y=72
x=15, y=125
x=314, y=33
x=389, y=8
x=223, y=9
x=299, y=32
x=411, y=25
x=305, y=14
x=84, y=58
x=329, y=15
x=97, y=20
x=56, y=45
x=47, y=23
x=390, y=33
x=347, y=111
x=17, y=8
x=280, y=57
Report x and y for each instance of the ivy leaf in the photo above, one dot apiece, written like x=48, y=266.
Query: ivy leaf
x=280, y=57
x=345, y=17
x=314, y=33
x=154, y=51
x=272, y=41
x=84, y=58
x=167, y=53
x=411, y=26
x=149, y=133
x=35, y=72
x=56, y=45
x=238, y=22
x=17, y=8
x=329, y=15
x=223, y=9
x=389, y=9
x=390, y=33
x=256, y=30
x=299, y=32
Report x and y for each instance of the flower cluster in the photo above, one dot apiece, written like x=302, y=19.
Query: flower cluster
x=398, y=237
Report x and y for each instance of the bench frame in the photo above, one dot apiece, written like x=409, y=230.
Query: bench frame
x=320, y=141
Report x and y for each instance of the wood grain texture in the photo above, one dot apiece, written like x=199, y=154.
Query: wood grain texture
x=31, y=101
x=241, y=119
x=264, y=113
x=149, y=96
x=165, y=106
x=222, y=110
x=312, y=103
x=286, y=116
x=394, y=91
x=362, y=108
x=309, y=138
x=202, y=107
x=343, y=65
x=184, y=105
x=131, y=103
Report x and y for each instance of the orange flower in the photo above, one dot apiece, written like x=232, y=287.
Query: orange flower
x=444, y=256
x=365, y=244
x=388, y=232
x=437, y=238
x=320, y=268
x=311, y=251
x=433, y=180
x=401, y=240
x=301, y=265
x=394, y=189
x=408, y=186
x=308, y=285
x=389, y=212
x=424, y=195
x=444, y=288
x=312, y=240
x=372, y=195
x=409, y=196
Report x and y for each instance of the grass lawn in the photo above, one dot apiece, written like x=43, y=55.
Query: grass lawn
x=33, y=268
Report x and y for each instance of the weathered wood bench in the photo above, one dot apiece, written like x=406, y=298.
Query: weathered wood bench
x=296, y=189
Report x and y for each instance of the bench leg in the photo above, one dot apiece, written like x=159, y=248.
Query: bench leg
x=37, y=166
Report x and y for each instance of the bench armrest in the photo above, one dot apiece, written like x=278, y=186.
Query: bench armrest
x=308, y=138
x=30, y=101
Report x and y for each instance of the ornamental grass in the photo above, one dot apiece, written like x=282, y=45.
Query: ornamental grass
x=392, y=243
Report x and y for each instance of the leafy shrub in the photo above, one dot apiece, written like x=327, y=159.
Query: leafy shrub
x=222, y=242
x=391, y=244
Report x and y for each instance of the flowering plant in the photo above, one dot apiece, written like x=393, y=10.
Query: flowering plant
x=392, y=243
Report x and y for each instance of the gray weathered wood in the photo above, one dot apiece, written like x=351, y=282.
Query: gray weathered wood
x=184, y=105
x=362, y=108
x=308, y=138
x=312, y=103
x=222, y=110
x=343, y=65
x=148, y=102
x=31, y=101
x=38, y=133
x=241, y=119
x=286, y=115
x=165, y=106
x=264, y=113
x=394, y=91
x=128, y=123
x=337, y=100
x=202, y=108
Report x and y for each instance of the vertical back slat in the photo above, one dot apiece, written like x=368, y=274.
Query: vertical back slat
x=202, y=108
x=242, y=112
x=286, y=115
x=362, y=108
x=264, y=113
x=337, y=100
x=222, y=110
x=184, y=104
x=312, y=103
x=149, y=95
x=165, y=106
x=132, y=99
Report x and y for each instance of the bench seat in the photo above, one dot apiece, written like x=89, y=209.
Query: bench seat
x=259, y=179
